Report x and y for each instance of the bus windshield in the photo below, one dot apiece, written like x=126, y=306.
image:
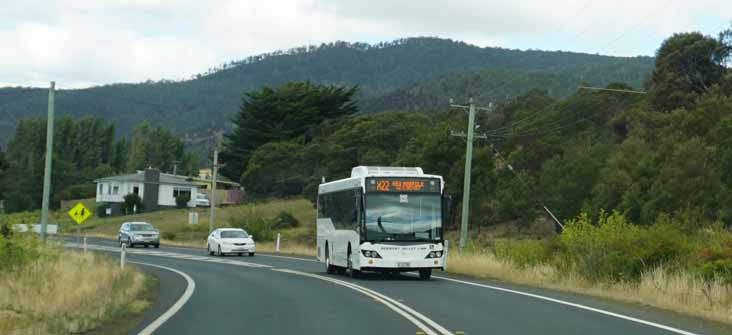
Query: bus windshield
x=403, y=217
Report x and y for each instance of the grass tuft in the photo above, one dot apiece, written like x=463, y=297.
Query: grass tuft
x=71, y=293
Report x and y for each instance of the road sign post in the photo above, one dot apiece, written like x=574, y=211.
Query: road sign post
x=192, y=220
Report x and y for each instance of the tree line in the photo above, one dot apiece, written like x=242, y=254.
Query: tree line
x=659, y=155
x=84, y=149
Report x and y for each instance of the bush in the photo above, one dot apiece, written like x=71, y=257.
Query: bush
x=133, y=203
x=19, y=249
x=712, y=256
x=181, y=201
x=249, y=220
x=285, y=219
x=616, y=250
x=168, y=235
x=524, y=253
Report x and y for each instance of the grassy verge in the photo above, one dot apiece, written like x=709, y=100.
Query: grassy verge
x=677, y=291
x=69, y=292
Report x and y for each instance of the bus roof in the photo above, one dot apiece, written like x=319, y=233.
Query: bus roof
x=360, y=173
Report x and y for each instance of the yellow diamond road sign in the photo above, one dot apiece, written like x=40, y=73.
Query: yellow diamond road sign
x=79, y=213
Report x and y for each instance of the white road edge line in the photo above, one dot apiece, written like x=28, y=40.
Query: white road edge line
x=403, y=310
x=153, y=326
x=288, y=257
x=536, y=296
x=567, y=303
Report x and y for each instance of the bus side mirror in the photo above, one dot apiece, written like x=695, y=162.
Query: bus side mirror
x=447, y=205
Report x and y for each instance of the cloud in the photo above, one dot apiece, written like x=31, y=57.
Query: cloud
x=85, y=42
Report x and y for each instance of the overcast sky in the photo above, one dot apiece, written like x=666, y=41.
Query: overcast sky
x=80, y=43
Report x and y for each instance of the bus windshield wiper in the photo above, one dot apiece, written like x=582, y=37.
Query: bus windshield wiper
x=378, y=223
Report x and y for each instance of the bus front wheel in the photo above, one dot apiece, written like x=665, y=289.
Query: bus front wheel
x=353, y=273
x=425, y=274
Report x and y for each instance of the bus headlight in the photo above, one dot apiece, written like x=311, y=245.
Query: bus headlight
x=370, y=254
x=434, y=254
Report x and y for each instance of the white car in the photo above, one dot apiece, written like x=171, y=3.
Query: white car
x=201, y=200
x=224, y=241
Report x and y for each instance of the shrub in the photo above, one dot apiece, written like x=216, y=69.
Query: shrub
x=20, y=249
x=616, y=250
x=249, y=220
x=168, y=235
x=285, y=219
x=524, y=253
x=712, y=256
x=133, y=203
x=181, y=201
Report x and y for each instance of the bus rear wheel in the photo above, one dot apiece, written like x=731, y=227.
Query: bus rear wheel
x=329, y=268
x=425, y=274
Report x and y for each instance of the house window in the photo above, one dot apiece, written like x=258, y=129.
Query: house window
x=101, y=188
x=115, y=189
x=136, y=190
x=109, y=189
x=181, y=191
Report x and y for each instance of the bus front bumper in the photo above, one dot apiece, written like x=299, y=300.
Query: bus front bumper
x=379, y=264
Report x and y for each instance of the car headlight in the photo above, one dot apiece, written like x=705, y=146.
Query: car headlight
x=137, y=237
x=434, y=254
x=370, y=254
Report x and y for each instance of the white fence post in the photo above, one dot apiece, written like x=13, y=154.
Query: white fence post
x=277, y=245
x=84, y=244
x=122, y=256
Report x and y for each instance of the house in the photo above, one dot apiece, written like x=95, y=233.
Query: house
x=228, y=192
x=154, y=188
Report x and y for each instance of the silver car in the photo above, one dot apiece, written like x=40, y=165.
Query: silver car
x=138, y=233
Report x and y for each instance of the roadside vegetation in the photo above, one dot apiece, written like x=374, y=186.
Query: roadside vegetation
x=664, y=265
x=46, y=289
x=642, y=182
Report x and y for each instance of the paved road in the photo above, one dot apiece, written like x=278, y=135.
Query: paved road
x=269, y=294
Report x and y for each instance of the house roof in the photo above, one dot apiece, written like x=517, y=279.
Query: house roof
x=167, y=179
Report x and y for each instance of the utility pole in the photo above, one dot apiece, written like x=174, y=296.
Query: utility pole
x=468, y=166
x=213, y=184
x=49, y=157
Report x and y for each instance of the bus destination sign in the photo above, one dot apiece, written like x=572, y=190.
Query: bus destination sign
x=395, y=184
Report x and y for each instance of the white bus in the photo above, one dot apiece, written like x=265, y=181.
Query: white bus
x=384, y=219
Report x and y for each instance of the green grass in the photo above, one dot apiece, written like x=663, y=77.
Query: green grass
x=175, y=221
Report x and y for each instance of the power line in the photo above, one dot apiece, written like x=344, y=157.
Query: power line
x=556, y=124
x=562, y=24
x=638, y=24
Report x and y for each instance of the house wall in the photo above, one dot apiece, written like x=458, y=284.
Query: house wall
x=166, y=198
x=123, y=188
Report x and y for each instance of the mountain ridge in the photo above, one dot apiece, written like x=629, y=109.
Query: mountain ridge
x=204, y=104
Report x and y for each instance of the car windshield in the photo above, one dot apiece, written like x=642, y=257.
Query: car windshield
x=141, y=227
x=234, y=234
x=403, y=217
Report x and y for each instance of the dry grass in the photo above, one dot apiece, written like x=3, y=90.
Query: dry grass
x=679, y=291
x=287, y=249
x=71, y=293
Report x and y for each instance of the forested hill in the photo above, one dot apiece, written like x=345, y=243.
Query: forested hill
x=392, y=76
